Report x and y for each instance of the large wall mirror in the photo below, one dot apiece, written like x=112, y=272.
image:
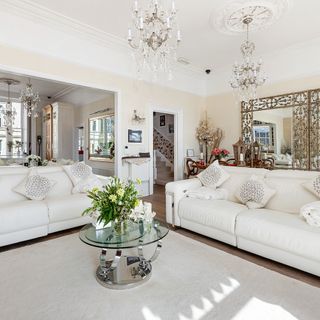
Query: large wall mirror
x=287, y=127
x=101, y=138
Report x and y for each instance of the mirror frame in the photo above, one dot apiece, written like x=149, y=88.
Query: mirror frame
x=306, y=123
x=93, y=158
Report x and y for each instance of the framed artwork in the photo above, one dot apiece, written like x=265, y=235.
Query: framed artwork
x=190, y=153
x=171, y=128
x=134, y=136
x=162, y=121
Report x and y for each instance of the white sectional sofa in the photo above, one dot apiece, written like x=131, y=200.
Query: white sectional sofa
x=22, y=219
x=276, y=232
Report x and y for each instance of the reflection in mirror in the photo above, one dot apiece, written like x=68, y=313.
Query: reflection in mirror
x=101, y=138
x=273, y=130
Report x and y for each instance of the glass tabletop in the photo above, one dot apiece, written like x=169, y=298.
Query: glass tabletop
x=137, y=234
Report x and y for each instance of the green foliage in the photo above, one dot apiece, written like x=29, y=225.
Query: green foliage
x=114, y=202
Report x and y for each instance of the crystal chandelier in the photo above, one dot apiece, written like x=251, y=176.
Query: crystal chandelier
x=154, y=36
x=247, y=77
x=30, y=100
x=8, y=112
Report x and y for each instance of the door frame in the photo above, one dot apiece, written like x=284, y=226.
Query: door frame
x=69, y=80
x=178, y=141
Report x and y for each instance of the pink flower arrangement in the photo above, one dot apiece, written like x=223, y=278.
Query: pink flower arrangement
x=220, y=153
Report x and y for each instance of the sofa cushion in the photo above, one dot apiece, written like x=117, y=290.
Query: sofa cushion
x=254, y=193
x=63, y=185
x=238, y=176
x=280, y=230
x=23, y=215
x=214, y=176
x=219, y=214
x=34, y=186
x=67, y=207
x=313, y=186
x=290, y=194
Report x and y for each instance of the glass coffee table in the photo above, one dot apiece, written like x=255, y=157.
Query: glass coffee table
x=124, y=271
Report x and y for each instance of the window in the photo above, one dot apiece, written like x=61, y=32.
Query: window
x=16, y=128
x=101, y=138
x=262, y=135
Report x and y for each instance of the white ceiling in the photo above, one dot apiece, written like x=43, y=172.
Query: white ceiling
x=202, y=45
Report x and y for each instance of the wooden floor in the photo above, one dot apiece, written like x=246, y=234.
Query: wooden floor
x=158, y=204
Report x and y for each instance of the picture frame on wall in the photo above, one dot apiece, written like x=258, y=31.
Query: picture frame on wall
x=162, y=121
x=171, y=128
x=134, y=136
x=190, y=153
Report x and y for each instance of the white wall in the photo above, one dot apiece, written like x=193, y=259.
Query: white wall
x=225, y=110
x=130, y=95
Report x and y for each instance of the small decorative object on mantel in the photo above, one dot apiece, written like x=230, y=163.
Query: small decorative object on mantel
x=239, y=151
x=113, y=204
x=220, y=154
x=208, y=136
x=35, y=161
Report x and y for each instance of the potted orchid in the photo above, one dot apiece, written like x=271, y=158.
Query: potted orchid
x=220, y=154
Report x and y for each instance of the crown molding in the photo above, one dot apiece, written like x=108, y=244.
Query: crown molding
x=35, y=12
x=64, y=92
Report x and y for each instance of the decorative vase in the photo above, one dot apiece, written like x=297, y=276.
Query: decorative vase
x=120, y=227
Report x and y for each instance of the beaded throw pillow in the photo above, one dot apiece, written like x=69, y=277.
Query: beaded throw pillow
x=82, y=177
x=254, y=193
x=34, y=186
x=313, y=186
x=214, y=176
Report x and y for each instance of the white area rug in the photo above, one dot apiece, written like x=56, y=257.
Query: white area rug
x=55, y=280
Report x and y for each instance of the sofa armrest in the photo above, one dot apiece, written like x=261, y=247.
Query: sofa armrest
x=175, y=191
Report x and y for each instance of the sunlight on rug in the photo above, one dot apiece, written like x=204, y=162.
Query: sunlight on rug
x=191, y=281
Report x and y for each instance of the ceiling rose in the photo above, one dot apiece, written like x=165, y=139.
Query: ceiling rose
x=229, y=19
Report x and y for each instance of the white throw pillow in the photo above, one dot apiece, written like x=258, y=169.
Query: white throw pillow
x=313, y=186
x=82, y=177
x=206, y=193
x=214, y=176
x=254, y=193
x=311, y=213
x=34, y=186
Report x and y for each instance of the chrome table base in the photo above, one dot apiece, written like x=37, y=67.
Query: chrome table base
x=123, y=271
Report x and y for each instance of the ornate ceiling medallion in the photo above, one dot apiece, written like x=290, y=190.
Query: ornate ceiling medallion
x=263, y=13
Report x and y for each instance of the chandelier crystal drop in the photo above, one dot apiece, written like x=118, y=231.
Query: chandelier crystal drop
x=155, y=37
x=8, y=112
x=30, y=100
x=247, y=77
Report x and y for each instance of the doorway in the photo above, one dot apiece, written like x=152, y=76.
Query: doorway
x=163, y=148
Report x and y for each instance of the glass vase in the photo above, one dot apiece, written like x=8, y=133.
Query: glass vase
x=120, y=227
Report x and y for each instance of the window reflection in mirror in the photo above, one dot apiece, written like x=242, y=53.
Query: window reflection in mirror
x=101, y=138
x=273, y=130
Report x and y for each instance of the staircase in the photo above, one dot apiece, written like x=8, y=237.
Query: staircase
x=163, y=159
x=164, y=173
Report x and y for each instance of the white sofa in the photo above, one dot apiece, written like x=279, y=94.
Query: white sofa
x=22, y=219
x=276, y=232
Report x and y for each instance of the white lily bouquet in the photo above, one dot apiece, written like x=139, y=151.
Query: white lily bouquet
x=143, y=211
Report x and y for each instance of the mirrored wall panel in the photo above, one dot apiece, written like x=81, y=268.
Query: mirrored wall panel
x=287, y=127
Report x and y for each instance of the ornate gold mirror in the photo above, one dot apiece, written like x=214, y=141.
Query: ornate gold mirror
x=288, y=128
x=101, y=138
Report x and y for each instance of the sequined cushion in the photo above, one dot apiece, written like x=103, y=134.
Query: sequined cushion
x=254, y=193
x=82, y=177
x=313, y=186
x=35, y=186
x=214, y=176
